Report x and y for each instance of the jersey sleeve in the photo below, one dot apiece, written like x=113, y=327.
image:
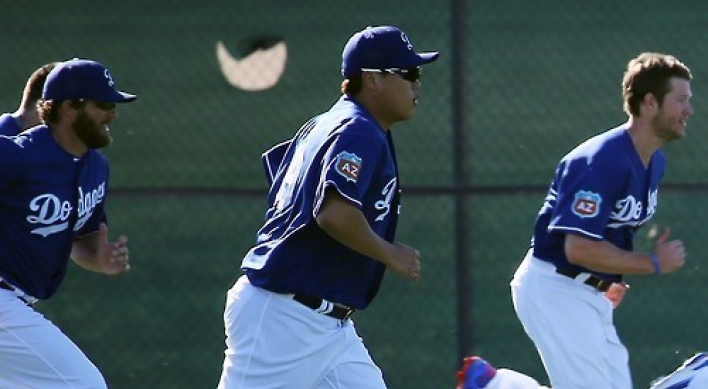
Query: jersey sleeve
x=93, y=223
x=349, y=166
x=272, y=158
x=9, y=125
x=586, y=191
x=10, y=164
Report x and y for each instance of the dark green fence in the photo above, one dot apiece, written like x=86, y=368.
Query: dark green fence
x=517, y=85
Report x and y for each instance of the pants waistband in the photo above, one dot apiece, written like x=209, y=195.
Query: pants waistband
x=26, y=298
x=581, y=277
x=324, y=307
x=592, y=280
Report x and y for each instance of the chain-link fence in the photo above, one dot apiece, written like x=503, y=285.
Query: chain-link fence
x=517, y=85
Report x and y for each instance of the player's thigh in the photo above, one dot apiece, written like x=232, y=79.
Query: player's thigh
x=353, y=376
x=618, y=361
x=572, y=329
x=590, y=356
x=275, y=342
x=34, y=353
x=353, y=369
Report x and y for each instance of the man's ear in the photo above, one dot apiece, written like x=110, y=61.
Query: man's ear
x=650, y=102
x=369, y=80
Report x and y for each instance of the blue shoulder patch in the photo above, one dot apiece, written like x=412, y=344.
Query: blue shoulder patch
x=348, y=165
x=586, y=204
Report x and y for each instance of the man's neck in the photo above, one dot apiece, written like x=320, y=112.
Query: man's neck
x=644, y=138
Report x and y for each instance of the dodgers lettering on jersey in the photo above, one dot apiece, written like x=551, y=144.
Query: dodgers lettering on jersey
x=51, y=214
x=343, y=149
x=47, y=197
x=602, y=191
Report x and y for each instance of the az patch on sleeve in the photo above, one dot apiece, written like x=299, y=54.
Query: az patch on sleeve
x=348, y=165
x=586, y=204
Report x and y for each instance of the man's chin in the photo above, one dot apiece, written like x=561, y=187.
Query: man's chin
x=669, y=136
x=99, y=143
x=105, y=144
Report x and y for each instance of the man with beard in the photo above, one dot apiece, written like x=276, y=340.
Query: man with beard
x=566, y=288
x=53, y=186
x=26, y=115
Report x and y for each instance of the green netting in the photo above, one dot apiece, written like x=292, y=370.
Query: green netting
x=532, y=79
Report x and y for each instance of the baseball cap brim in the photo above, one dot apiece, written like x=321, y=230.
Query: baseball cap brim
x=116, y=97
x=417, y=59
x=126, y=97
x=425, y=58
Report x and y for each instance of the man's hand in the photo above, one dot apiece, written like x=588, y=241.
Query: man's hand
x=670, y=255
x=616, y=293
x=405, y=261
x=114, y=258
x=94, y=252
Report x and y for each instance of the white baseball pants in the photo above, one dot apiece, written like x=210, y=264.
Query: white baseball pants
x=274, y=342
x=35, y=354
x=572, y=326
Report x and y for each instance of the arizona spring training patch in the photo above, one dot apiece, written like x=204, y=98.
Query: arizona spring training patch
x=348, y=165
x=586, y=204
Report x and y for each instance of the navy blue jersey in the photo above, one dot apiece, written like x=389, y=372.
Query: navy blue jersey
x=47, y=197
x=601, y=191
x=344, y=149
x=9, y=125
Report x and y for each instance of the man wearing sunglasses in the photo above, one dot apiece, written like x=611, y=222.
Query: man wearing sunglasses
x=53, y=187
x=330, y=231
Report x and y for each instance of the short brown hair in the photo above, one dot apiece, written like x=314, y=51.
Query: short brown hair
x=35, y=85
x=650, y=73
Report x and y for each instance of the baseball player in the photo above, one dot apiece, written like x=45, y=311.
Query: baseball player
x=26, y=115
x=476, y=373
x=603, y=191
x=692, y=374
x=53, y=188
x=329, y=234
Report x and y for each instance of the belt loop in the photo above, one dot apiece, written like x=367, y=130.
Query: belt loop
x=325, y=307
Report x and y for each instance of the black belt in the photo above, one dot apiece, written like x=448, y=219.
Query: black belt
x=25, y=298
x=594, y=281
x=317, y=304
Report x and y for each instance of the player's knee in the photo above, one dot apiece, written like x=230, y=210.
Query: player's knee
x=512, y=379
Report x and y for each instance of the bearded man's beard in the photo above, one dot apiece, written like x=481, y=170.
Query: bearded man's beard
x=90, y=132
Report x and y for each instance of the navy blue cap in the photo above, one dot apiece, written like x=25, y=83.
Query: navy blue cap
x=381, y=48
x=77, y=79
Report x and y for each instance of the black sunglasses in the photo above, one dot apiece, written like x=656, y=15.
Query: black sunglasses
x=410, y=74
